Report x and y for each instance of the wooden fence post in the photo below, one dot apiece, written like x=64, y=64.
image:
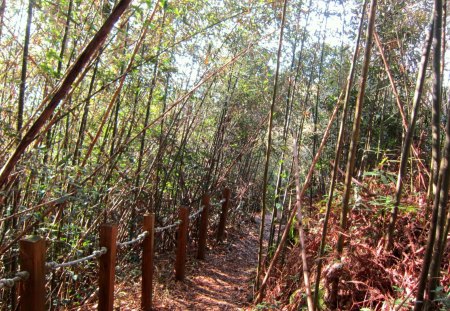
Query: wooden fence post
x=107, y=263
x=180, y=263
x=147, y=262
x=203, y=230
x=226, y=194
x=32, y=260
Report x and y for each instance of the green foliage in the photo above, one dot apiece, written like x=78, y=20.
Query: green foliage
x=294, y=295
x=266, y=306
x=443, y=298
x=303, y=305
x=213, y=133
x=292, y=232
x=384, y=177
x=386, y=204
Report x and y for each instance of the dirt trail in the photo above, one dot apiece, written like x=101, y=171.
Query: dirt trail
x=223, y=281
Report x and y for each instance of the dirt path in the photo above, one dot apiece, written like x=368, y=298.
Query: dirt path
x=223, y=281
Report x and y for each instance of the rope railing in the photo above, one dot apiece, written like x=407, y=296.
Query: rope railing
x=20, y=276
x=33, y=251
x=52, y=265
x=195, y=215
x=218, y=204
x=137, y=240
x=161, y=229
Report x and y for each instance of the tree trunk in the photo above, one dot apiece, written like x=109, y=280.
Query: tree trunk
x=442, y=213
x=306, y=183
x=305, y=268
x=435, y=126
x=49, y=134
x=409, y=135
x=316, y=106
x=2, y=15
x=268, y=148
x=287, y=112
x=62, y=90
x=23, y=75
x=333, y=299
x=356, y=127
x=82, y=130
x=337, y=156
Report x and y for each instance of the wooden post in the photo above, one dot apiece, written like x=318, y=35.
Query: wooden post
x=32, y=260
x=107, y=262
x=226, y=194
x=147, y=262
x=203, y=230
x=180, y=263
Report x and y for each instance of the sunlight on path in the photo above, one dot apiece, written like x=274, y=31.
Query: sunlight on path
x=223, y=281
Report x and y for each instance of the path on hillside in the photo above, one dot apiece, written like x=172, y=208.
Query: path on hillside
x=224, y=281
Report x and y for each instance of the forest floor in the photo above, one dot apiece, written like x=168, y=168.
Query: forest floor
x=224, y=281
x=372, y=279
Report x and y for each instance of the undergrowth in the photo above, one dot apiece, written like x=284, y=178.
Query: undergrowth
x=370, y=278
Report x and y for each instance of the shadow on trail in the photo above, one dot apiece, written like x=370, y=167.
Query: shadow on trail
x=224, y=281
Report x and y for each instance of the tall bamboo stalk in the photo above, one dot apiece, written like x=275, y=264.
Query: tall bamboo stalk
x=62, y=89
x=337, y=156
x=435, y=153
x=409, y=134
x=305, y=186
x=356, y=128
x=333, y=295
x=305, y=268
x=269, y=146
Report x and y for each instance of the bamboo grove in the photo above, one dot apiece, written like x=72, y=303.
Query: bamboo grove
x=316, y=113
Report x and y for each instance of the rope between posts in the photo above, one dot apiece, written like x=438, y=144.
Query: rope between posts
x=219, y=204
x=20, y=276
x=52, y=265
x=195, y=215
x=161, y=229
x=137, y=240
